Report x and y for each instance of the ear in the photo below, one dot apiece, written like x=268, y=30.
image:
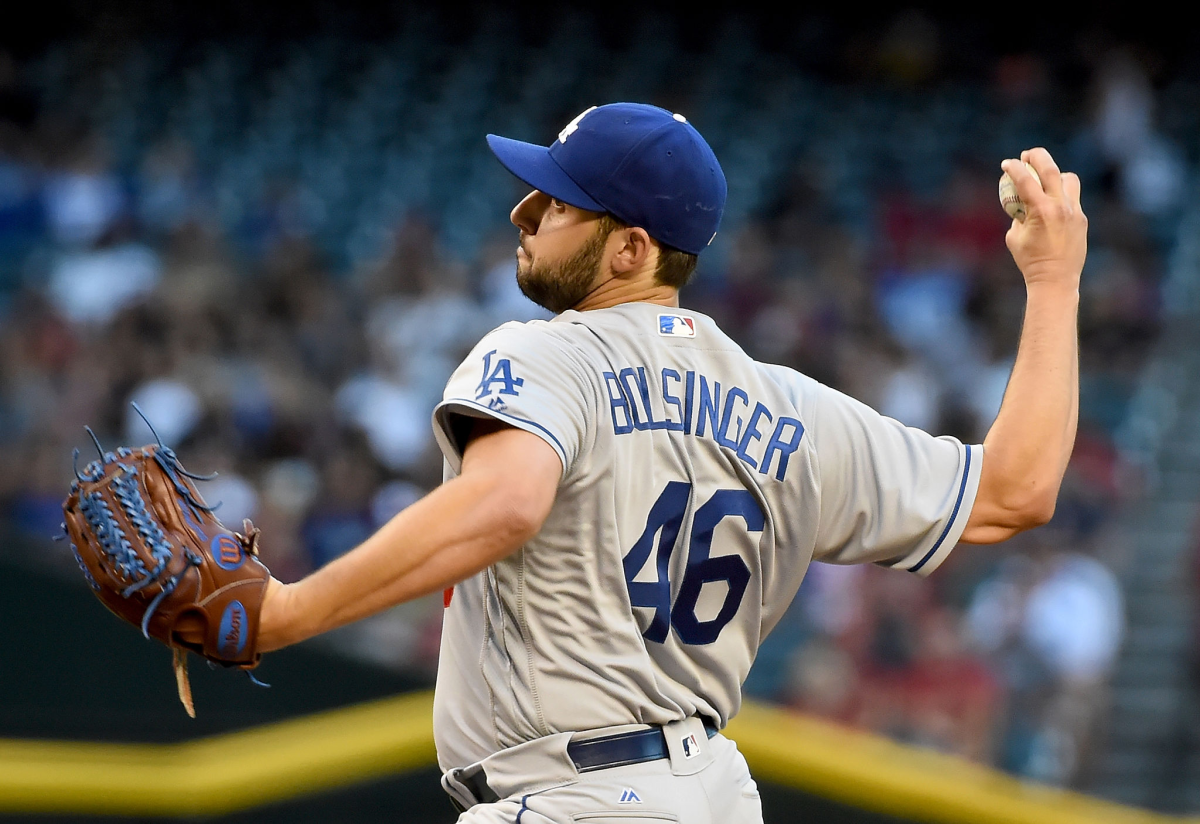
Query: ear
x=631, y=250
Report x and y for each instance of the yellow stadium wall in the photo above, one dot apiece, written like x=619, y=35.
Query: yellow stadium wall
x=340, y=748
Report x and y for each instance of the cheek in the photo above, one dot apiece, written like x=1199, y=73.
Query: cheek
x=555, y=242
x=539, y=249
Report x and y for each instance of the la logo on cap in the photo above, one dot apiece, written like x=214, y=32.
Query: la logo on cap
x=573, y=126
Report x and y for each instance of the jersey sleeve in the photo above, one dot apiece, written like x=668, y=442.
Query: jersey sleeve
x=890, y=494
x=524, y=376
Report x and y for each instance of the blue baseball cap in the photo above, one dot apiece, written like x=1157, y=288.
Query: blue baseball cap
x=642, y=164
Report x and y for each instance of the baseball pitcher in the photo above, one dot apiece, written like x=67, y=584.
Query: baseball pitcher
x=631, y=501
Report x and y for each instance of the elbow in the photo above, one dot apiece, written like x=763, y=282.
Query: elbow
x=1043, y=508
x=997, y=518
x=1014, y=497
x=520, y=522
x=1039, y=512
x=1032, y=509
x=518, y=514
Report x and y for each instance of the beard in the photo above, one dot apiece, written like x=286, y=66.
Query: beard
x=561, y=285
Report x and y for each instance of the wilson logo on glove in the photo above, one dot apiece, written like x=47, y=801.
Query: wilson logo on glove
x=227, y=552
x=233, y=629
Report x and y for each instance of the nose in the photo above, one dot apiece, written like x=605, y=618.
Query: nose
x=527, y=215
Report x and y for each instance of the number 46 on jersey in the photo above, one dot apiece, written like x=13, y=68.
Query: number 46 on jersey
x=665, y=521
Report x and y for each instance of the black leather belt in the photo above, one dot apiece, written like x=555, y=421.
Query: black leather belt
x=622, y=749
x=595, y=753
x=619, y=750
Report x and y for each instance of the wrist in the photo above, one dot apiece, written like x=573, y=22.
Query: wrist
x=1059, y=289
x=275, y=617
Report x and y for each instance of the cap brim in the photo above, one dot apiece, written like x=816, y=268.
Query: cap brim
x=534, y=165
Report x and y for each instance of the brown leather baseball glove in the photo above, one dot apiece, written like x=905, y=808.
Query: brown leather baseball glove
x=157, y=557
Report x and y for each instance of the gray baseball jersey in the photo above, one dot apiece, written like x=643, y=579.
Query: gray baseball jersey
x=697, y=486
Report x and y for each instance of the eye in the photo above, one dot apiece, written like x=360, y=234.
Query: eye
x=557, y=204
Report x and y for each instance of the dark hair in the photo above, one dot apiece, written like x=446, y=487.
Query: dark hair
x=674, y=265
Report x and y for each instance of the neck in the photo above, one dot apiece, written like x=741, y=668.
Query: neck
x=616, y=290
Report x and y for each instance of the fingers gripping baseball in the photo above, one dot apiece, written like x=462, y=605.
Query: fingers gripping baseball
x=1050, y=245
x=1047, y=170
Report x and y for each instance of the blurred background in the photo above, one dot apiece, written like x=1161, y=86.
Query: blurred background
x=278, y=229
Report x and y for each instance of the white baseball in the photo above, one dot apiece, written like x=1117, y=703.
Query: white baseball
x=1009, y=198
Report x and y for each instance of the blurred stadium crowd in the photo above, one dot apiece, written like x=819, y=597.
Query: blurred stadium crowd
x=280, y=249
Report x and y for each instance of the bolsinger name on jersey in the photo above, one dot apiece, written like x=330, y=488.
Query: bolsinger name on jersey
x=642, y=398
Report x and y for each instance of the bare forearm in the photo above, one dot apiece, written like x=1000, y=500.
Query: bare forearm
x=450, y=534
x=1027, y=448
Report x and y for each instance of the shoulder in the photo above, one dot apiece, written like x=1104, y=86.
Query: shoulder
x=545, y=351
x=516, y=331
x=646, y=322
x=540, y=336
x=798, y=386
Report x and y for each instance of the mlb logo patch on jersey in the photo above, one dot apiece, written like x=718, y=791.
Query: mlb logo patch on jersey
x=676, y=326
x=691, y=746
